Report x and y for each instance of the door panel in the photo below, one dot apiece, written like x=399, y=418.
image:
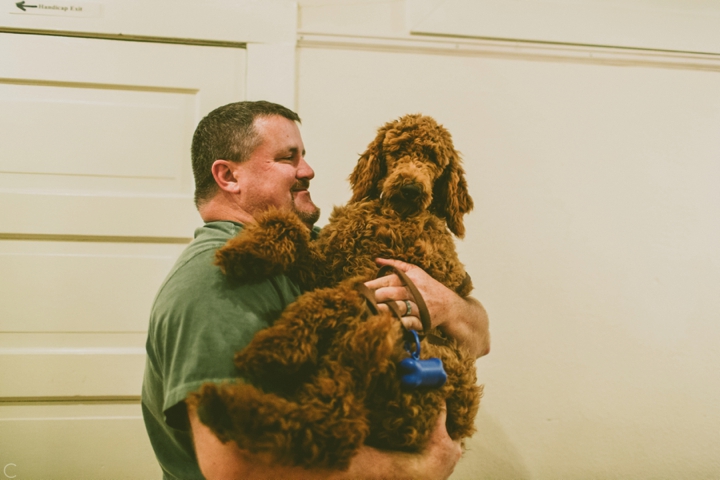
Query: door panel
x=104, y=138
x=81, y=286
x=95, y=206
x=69, y=442
x=96, y=131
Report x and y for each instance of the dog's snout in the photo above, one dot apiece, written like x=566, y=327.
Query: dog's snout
x=410, y=191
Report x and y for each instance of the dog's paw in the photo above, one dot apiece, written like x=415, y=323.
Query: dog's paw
x=269, y=247
x=373, y=348
x=312, y=434
x=241, y=413
x=276, y=362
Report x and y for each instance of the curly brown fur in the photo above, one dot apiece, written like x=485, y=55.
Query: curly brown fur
x=403, y=414
x=323, y=379
x=277, y=243
x=310, y=373
x=414, y=153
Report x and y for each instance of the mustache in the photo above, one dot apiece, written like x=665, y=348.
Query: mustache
x=302, y=184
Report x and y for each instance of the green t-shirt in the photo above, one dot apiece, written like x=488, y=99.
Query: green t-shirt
x=198, y=322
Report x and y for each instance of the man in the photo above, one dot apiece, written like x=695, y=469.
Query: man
x=248, y=157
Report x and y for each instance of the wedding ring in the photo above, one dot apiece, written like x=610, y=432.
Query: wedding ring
x=408, y=307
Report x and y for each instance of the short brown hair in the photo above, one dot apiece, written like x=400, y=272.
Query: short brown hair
x=228, y=133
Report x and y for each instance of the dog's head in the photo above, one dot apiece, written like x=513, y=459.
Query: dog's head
x=413, y=165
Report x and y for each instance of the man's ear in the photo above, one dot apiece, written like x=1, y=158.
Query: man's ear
x=225, y=175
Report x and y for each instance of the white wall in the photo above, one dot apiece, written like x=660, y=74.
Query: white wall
x=594, y=239
x=593, y=243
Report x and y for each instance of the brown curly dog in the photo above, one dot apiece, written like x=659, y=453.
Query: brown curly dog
x=323, y=380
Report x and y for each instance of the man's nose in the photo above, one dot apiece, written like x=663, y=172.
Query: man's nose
x=305, y=170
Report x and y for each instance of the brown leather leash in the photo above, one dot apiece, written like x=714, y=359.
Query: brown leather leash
x=424, y=313
x=370, y=301
x=414, y=292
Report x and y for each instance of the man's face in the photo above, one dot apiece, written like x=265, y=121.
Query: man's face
x=276, y=174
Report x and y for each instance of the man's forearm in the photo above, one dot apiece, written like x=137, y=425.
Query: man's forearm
x=436, y=462
x=470, y=326
x=226, y=461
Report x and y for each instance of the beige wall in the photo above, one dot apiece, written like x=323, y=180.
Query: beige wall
x=593, y=244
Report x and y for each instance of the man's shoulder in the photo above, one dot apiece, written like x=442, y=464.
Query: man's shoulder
x=207, y=240
x=195, y=268
x=196, y=282
x=211, y=236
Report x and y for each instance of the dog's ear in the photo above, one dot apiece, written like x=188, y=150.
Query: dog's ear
x=451, y=199
x=369, y=170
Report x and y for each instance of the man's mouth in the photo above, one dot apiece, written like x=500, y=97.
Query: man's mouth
x=300, y=186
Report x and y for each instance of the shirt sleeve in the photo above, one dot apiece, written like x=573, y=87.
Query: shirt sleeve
x=203, y=320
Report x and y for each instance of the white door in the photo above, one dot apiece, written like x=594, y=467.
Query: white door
x=95, y=205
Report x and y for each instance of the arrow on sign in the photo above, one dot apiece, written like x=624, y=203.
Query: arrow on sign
x=22, y=6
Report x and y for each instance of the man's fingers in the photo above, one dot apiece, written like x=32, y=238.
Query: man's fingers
x=412, y=323
x=390, y=288
x=384, y=281
x=410, y=320
x=442, y=418
x=405, y=307
x=394, y=294
x=399, y=264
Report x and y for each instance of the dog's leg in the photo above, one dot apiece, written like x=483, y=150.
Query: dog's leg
x=316, y=431
x=282, y=356
x=401, y=419
x=404, y=419
x=371, y=348
x=464, y=396
x=271, y=246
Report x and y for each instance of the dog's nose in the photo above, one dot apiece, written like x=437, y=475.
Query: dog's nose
x=410, y=191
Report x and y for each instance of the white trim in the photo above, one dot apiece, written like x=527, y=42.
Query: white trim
x=675, y=25
x=73, y=351
x=515, y=49
x=44, y=419
x=237, y=21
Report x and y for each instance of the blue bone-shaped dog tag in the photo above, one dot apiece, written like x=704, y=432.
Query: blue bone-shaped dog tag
x=421, y=373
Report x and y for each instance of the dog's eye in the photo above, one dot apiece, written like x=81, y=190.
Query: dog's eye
x=430, y=154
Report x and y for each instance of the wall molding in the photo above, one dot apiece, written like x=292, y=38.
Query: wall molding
x=515, y=49
x=669, y=25
x=125, y=38
x=92, y=238
x=68, y=400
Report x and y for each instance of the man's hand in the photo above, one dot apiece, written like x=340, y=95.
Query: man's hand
x=463, y=319
x=436, y=462
x=442, y=453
